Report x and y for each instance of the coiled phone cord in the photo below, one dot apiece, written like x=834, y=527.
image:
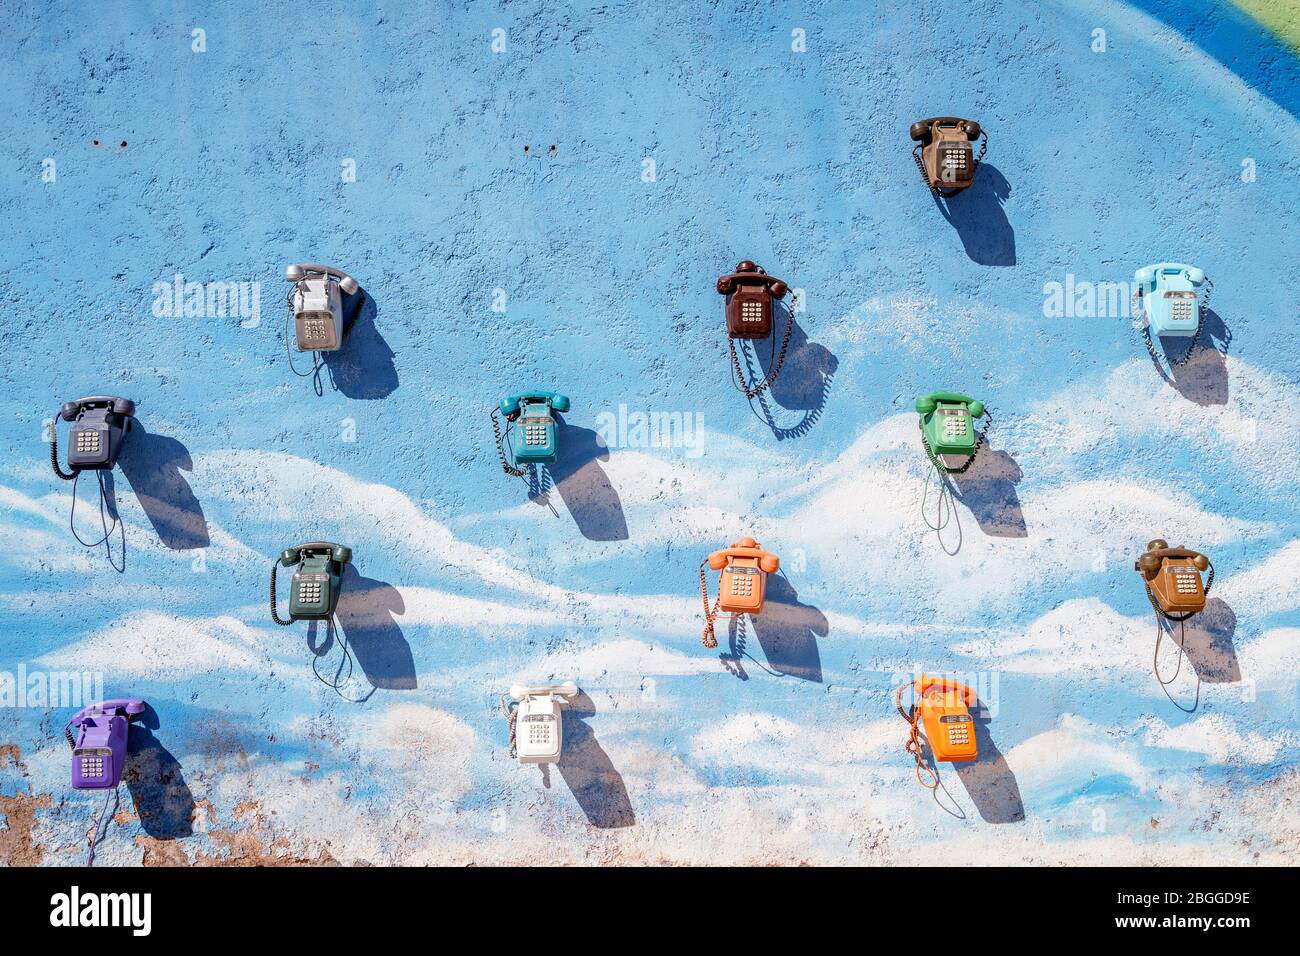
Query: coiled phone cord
x=54, y=452
x=920, y=165
x=709, y=640
x=508, y=468
x=913, y=745
x=739, y=373
x=275, y=614
x=1196, y=336
x=511, y=714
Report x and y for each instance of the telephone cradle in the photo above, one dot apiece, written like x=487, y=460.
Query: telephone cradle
x=533, y=415
x=947, y=422
x=99, y=748
x=741, y=585
x=749, y=295
x=535, y=720
x=942, y=707
x=1172, y=300
x=317, y=579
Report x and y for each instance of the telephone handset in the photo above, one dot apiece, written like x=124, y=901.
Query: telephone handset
x=948, y=429
x=742, y=584
x=942, y=707
x=314, y=593
x=533, y=414
x=99, y=747
x=1165, y=300
x=535, y=721
x=1172, y=577
x=944, y=154
x=750, y=292
x=316, y=305
x=100, y=424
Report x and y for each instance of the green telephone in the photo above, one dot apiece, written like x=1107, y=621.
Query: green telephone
x=315, y=591
x=948, y=429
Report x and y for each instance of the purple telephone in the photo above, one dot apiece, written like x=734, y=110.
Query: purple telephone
x=99, y=750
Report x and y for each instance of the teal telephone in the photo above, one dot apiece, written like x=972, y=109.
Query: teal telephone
x=314, y=594
x=533, y=414
x=1167, y=299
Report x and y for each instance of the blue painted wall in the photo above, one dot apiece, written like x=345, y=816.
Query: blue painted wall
x=783, y=745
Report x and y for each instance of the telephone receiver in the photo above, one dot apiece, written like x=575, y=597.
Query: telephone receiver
x=1159, y=549
x=1147, y=274
x=767, y=561
x=929, y=403
x=568, y=690
x=748, y=273
x=303, y=270
x=512, y=405
x=118, y=406
x=932, y=686
x=337, y=552
x=128, y=706
x=923, y=129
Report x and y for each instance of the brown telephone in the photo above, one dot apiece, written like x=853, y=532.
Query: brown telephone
x=750, y=292
x=1173, y=579
x=742, y=584
x=944, y=154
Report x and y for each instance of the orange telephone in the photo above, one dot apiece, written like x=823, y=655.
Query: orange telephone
x=1173, y=579
x=943, y=706
x=745, y=567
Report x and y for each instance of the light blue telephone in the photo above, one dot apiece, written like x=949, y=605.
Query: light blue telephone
x=531, y=413
x=1169, y=295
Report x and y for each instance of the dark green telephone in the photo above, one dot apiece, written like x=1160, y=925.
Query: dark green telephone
x=948, y=429
x=315, y=591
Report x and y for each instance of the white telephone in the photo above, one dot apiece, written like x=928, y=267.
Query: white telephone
x=536, y=728
x=316, y=303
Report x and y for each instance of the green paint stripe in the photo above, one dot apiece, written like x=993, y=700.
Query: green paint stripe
x=1281, y=17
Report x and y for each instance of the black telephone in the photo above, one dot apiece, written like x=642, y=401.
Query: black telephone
x=314, y=595
x=100, y=424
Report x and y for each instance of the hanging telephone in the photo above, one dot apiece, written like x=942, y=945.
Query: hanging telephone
x=942, y=707
x=316, y=305
x=99, y=747
x=314, y=592
x=742, y=584
x=536, y=724
x=750, y=292
x=531, y=413
x=944, y=153
x=1172, y=577
x=1168, y=300
x=100, y=424
x=948, y=429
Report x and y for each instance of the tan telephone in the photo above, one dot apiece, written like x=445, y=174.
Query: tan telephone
x=944, y=154
x=1173, y=579
x=742, y=584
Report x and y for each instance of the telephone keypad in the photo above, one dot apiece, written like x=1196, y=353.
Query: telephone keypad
x=535, y=431
x=751, y=310
x=88, y=441
x=1181, y=310
x=92, y=766
x=955, y=163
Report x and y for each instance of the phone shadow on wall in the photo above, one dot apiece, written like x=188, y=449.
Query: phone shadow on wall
x=589, y=773
x=1204, y=377
x=363, y=368
x=162, y=798
x=366, y=613
x=978, y=215
x=786, y=630
x=153, y=464
x=584, y=487
x=988, y=489
x=988, y=779
x=1207, y=641
x=803, y=385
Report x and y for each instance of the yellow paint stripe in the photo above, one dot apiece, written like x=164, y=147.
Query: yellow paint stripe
x=1281, y=17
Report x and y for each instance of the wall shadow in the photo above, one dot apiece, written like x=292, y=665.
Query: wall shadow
x=583, y=485
x=363, y=367
x=988, y=489
x=1207, y=640
x=978, y=215
x=988, y=779
x=1204, y=378
x=786, y=630
x=803, y=384
x=153, y=464
x=162, y=798
x=366, y=613
x=589, y=773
